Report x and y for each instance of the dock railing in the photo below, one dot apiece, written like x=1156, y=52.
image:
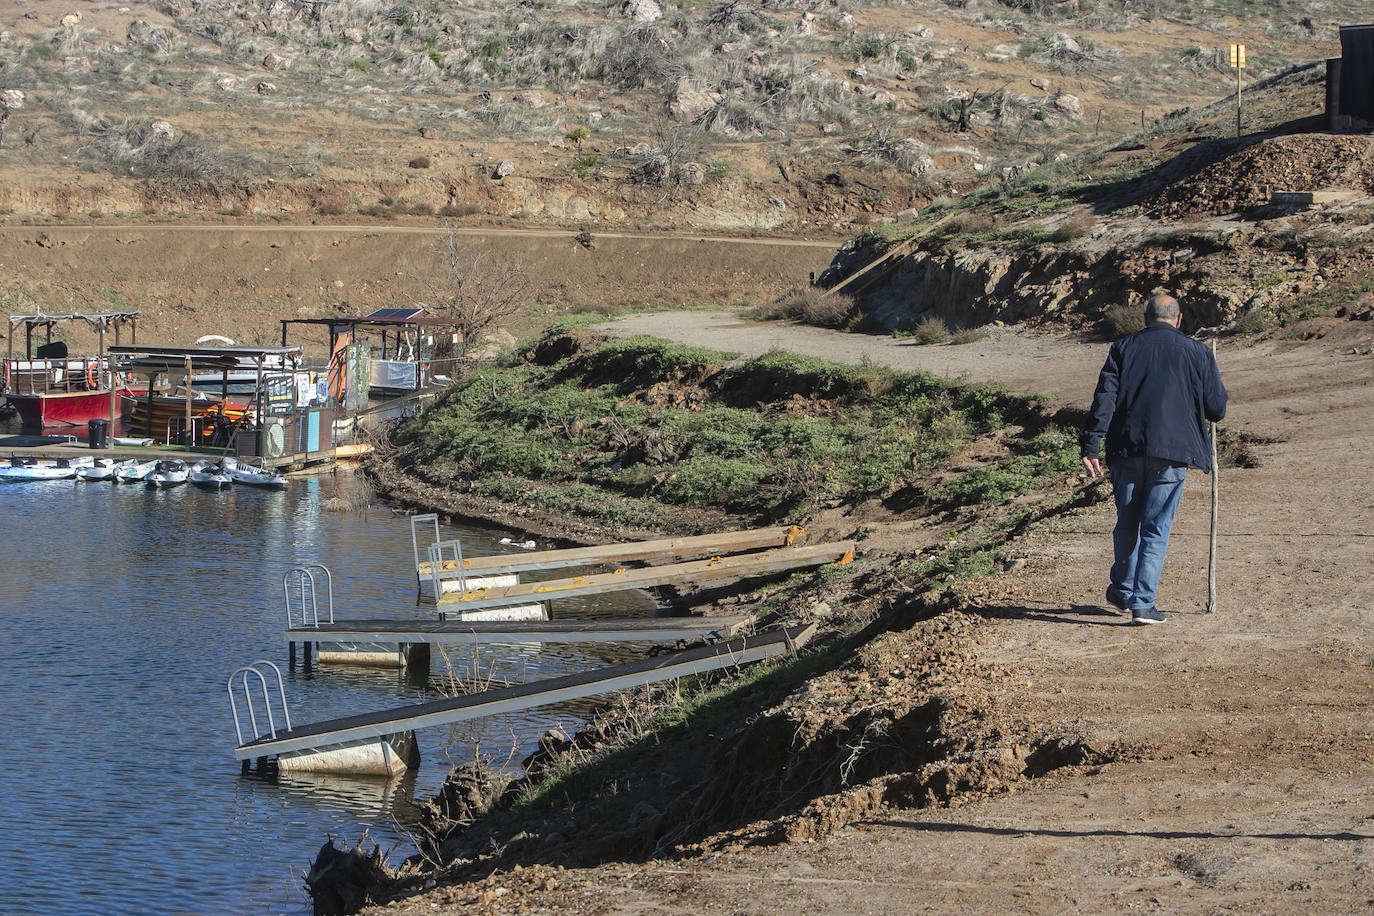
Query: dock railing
x=415, y=522
x=246, y=677
x=436, y=565
x=302, y=579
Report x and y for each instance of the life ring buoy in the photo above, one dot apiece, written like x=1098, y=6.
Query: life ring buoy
x=92, y=376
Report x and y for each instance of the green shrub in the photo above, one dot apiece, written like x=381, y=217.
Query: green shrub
x=582, y=166
x=809, y=305
x=1122, y=320
x=931, y=330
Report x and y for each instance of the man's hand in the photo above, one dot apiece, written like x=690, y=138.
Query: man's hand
x=1094, y=466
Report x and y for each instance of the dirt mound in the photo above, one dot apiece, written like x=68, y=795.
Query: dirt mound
x=1244, y=179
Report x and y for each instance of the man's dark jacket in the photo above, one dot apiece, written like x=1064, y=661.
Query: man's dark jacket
x=1157, y=391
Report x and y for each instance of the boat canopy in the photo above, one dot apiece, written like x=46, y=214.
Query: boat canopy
x=100, y=321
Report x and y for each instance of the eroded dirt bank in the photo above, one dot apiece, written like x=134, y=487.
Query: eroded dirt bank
x=1247, y=778
x=240, y=280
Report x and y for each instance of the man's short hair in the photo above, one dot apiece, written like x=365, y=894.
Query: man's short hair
x=1161, y=307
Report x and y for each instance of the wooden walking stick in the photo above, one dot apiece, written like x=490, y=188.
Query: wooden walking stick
x=1212, y=551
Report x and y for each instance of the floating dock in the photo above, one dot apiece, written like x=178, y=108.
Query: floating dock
x=401, y=643
x=741, y=566
x=612, y=554
x=457, y=631
x=383, y=742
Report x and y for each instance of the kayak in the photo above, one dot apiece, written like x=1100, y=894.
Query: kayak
x=135, y=472
x=25, y=469
x=210, y=476
x=253, y=477
x=169, y=473
x=103, y=469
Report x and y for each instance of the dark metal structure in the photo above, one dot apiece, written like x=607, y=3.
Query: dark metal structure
x=1350, y=81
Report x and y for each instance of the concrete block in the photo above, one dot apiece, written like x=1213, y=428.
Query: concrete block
x=388, y=756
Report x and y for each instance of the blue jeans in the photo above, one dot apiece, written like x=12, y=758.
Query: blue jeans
x=1147, y=491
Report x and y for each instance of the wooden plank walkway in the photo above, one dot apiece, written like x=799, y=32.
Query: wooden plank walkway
x=560, y=631
x=634, y=551
x=333, y=733
x=744, y=565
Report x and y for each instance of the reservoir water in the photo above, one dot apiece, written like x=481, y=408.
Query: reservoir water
x=122, y=612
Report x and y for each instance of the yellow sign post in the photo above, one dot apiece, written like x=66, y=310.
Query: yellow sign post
x=1238, y=61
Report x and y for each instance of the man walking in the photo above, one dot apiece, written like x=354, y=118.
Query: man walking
x=1155, y=396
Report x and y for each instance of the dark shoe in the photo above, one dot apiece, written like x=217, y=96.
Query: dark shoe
x=1146, y=615
x=1116, y=601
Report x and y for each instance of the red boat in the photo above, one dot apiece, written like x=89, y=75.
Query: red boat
x=47, y=387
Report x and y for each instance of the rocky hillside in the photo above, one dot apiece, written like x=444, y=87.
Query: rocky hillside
x=772, y=115
x=1186, y=206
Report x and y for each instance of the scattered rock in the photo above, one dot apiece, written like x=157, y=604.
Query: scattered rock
x=141, y=32
x=846, y=22
x=503, y=168
x=227, y=83
x=353, y=34
x=1070, y=105
x=163, y=130
x=1041, y=83
x=429, y=133
x=12, y=98
x=266, y=88
x=691, y=173
x=274, y=61
x=76, y=64
x=529, y=98
x=642, y=10
x=282, y=12
x=1062, y=42
x=688, y=105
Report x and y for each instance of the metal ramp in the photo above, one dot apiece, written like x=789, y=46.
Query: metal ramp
x=411, y=632
x=330, y=735
x=742, y=566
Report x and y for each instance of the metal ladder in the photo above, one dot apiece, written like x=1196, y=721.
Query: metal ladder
x=436, y=562
x=302, y=578
x=245, y=678
x=415, y=521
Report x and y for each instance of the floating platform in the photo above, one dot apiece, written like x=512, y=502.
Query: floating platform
x=403, y=643
x=681, y=548
x=741, y=566
x=560, y=631
x=382, y=740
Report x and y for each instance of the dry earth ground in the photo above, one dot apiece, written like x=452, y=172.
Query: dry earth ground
x=1253, y=788
x=187, y=280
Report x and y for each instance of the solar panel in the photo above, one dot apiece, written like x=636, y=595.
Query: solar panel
x=393, y=314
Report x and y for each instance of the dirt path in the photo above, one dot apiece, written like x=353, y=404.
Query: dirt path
x=1255, y=725
x=1048, y=364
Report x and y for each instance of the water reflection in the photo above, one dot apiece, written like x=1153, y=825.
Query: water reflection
x=124, y=609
